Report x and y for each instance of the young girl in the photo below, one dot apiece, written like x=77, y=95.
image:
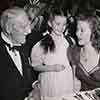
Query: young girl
x=49, y=56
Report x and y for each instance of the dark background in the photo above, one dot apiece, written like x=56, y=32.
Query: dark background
x=65, y=3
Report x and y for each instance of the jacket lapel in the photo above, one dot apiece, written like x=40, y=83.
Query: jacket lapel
x=10, y=62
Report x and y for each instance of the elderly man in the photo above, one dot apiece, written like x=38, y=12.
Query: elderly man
x=15, y=73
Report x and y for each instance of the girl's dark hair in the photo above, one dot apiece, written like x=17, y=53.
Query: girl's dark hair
x=48, y=43
x=56, y=11
x=72, y=27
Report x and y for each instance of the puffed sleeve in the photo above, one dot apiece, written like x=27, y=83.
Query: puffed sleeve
x=37, y=55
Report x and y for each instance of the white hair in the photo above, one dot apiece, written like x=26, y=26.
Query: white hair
x=10, y=14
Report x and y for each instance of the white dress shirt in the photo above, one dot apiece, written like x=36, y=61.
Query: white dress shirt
x=15, y=55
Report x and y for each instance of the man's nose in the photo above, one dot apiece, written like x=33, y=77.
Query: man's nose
x=28, y=30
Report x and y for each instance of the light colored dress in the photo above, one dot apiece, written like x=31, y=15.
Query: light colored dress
x=54, y=83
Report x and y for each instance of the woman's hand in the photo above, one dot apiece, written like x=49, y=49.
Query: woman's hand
x=58, y=67
x=49, y=68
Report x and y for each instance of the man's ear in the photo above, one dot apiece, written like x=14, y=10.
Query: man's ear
x=8, y=27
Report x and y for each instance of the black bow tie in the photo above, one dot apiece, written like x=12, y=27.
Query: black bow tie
x=18, y=48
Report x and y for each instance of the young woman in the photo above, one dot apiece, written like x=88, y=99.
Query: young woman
x=49, y=57
x=87, y=57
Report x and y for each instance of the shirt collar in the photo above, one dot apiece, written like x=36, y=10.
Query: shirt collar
x=8, y=40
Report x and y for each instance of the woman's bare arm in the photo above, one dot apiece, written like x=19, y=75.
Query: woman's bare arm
x=48, y=68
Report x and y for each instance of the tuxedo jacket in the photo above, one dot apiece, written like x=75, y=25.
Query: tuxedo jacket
x=14, y=86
